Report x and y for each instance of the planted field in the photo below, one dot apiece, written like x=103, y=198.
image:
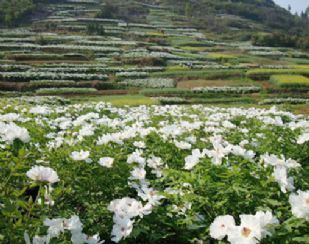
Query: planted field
x=75, y=49
x=290, y=81
x=261, y=74
x=211, y=83
x=150, y=174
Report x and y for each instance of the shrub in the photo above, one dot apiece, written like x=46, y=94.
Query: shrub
x=108, y=86
x=172, y=100
x=69, y=90
x=52, y=83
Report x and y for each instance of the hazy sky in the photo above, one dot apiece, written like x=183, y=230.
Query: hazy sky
x=297, y=5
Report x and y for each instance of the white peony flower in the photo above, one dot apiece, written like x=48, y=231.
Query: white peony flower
x=80, y=156
x=300, y=204
x=240, y=151
x=121, y=231
x=139, y=144
x=78, y=237
x=55, y=226
x=73, y=224
x=43, y=110
x=273, y=160
x=266, y=219
x=95, y=239
x=126, y=207
x=220, y=226
x=87, y=130
x=154, y=162
x=303, y=138
x=138, y=173
x=219, y=152
x=249, y=231
x=106, y=162
x=10, y=117
x=193, y=160
x=182, y=145
x=136, y=157
x=42, y=174
x=149, y=194
x=10, y=132
x=281, y=176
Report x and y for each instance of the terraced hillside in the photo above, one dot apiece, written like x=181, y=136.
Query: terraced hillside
x=103, y=47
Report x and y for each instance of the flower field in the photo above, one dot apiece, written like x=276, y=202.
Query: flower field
x=92, y=172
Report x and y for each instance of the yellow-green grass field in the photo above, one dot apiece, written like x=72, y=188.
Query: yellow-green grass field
x=287, y=81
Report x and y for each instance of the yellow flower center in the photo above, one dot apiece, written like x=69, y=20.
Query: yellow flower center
x=307, y=201
x=245, y=232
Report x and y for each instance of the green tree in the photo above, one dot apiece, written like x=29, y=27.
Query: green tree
x=13, y=10
x=289, y=8
x=307, y=11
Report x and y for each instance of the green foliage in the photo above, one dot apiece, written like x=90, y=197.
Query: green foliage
x=13, y=10
x=207, y=13
x=260, y=74
x=203, y=74
x=95, y=29
x=280, y=39
x=127, y=10
x=290, y=81
x=67, y=90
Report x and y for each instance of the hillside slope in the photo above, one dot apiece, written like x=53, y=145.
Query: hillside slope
x=262, y=21
x=264, y=12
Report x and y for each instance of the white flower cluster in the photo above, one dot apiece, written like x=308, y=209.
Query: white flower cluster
x=150, y=83
x=303, y=138
x=43, y=174
x=221, y=150
x=60, y=225
x=10, y=132
x=81, y=156
x=126, y=209
x=300, y=204
x=252, y=229
x=268, y=53
x=47, y=176
x=289, y=100
x=299, y=201
x=281, y=167
x=135, y=74
x=228, y=89
x=50, y=76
